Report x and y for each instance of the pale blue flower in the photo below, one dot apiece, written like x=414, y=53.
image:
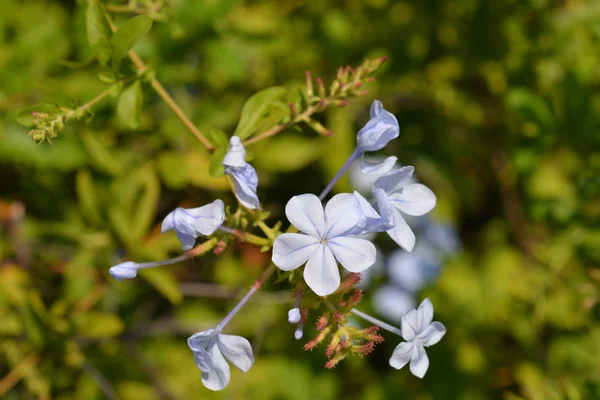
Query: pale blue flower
x=375, y=135
x=392, y=302
x=244, y=175
x=395, y=195
x=419, y=332
x=211, y=348
x=324, y=242
x=412, y=271
x=189, y=223
x=125, y=270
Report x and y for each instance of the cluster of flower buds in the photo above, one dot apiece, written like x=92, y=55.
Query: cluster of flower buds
x=320, y=239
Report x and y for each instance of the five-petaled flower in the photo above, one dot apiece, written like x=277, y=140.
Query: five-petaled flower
x=377, y=132
x=189, y=223
x=211, y=348
x=244, y=175
x=418, y=331
x=324, y=240
x=395, y=195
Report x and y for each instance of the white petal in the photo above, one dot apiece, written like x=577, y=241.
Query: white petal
x=419, y=362
x=187, y=241
x=432, y=334
x=370, y=221
x=379, y=168
x=294, y=316
x=180, y=220
x=245, y=182
x=401, y=355
x=237, y=350
x=321, y=272
x=409, y=325
x=203, y=360
x=355, y=254
x=393, y=181
x=291, y=250
x=401, y=232
x=125, y=270
x=202, y=340
x=386, y=211
x=342, y=213
x=209, y=217
x=378, y=131
x=376, y=109
x=218, y=377
x=424, y=315
x=236, y=155
x=305, y=212
x=414, y=199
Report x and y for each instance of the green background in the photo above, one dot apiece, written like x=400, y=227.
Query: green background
x=498, y=104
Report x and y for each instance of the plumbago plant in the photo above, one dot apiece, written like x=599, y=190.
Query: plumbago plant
x=320, y=234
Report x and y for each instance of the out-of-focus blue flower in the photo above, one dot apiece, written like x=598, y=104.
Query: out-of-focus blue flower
x=392, y=302
x=244, y=175
x=189, y=223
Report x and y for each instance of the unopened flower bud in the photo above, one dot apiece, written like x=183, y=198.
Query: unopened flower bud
x=126, y=270
x=294, y=316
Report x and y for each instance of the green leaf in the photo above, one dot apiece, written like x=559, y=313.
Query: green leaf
x=288, y=153
x=145, y=207
x=530, y=106
x=98, y=32
x=129, y=106
x=215, y=167
x=99, y=155
x=218, y=138
x=261, y=112
x=88, y=200
x=93, y=324
x=162, y=280
x=127, y=36
x=26, y=117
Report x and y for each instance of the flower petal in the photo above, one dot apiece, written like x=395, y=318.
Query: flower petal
x=245, y=182
x=342, y=213
x=370, y=221
x=237, y=350
x=409, y=325
x=187, y=241
x=394, y=180
x=203, y=360
x=202, y=340
x=419, y=362
x=378, y=131
x=218, y=377
x=401, y=232
x=401, y=355
x=376, y=109
x=291, y=250
x=209, y=217
x=179, y=220
x=236, y=155
x=355, y=254
x=424, y=315
x=305, y=212
x=378, y=168
x=432, y=334
x=415, y=199
x=321, y=272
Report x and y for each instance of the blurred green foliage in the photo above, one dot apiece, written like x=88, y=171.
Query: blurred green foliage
x=498, y=103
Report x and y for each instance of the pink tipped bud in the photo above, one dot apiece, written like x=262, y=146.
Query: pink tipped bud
x=309, y=84
x=356, y=298
x=364, y=349
x=321, y=323
x=338, y=317
x=320, y=88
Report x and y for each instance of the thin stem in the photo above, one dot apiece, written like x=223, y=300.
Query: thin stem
x=92, y=102
x=341, y=172
x=227, y=230
x=169, y=261
x=278, y=128
x=379, y=323
x=268, y=231
x=255, y=286
x=161, y=91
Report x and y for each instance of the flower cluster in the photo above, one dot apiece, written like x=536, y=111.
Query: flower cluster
x=321, y=237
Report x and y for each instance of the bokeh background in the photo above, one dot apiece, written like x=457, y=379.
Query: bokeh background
x=498, y=103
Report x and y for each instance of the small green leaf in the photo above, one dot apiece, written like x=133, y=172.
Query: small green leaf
x=107, y=76
x=88, y=200
x=218, y=138
x=215, y=167
x=99, y=156
x=261, y=112
x=531, y=106
x=145, y=207
x=127, y=36
x=288, y=153
x=162, y=280
x=98, y=32
x=26, y=117
x=93, y=324
x=129, y=106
